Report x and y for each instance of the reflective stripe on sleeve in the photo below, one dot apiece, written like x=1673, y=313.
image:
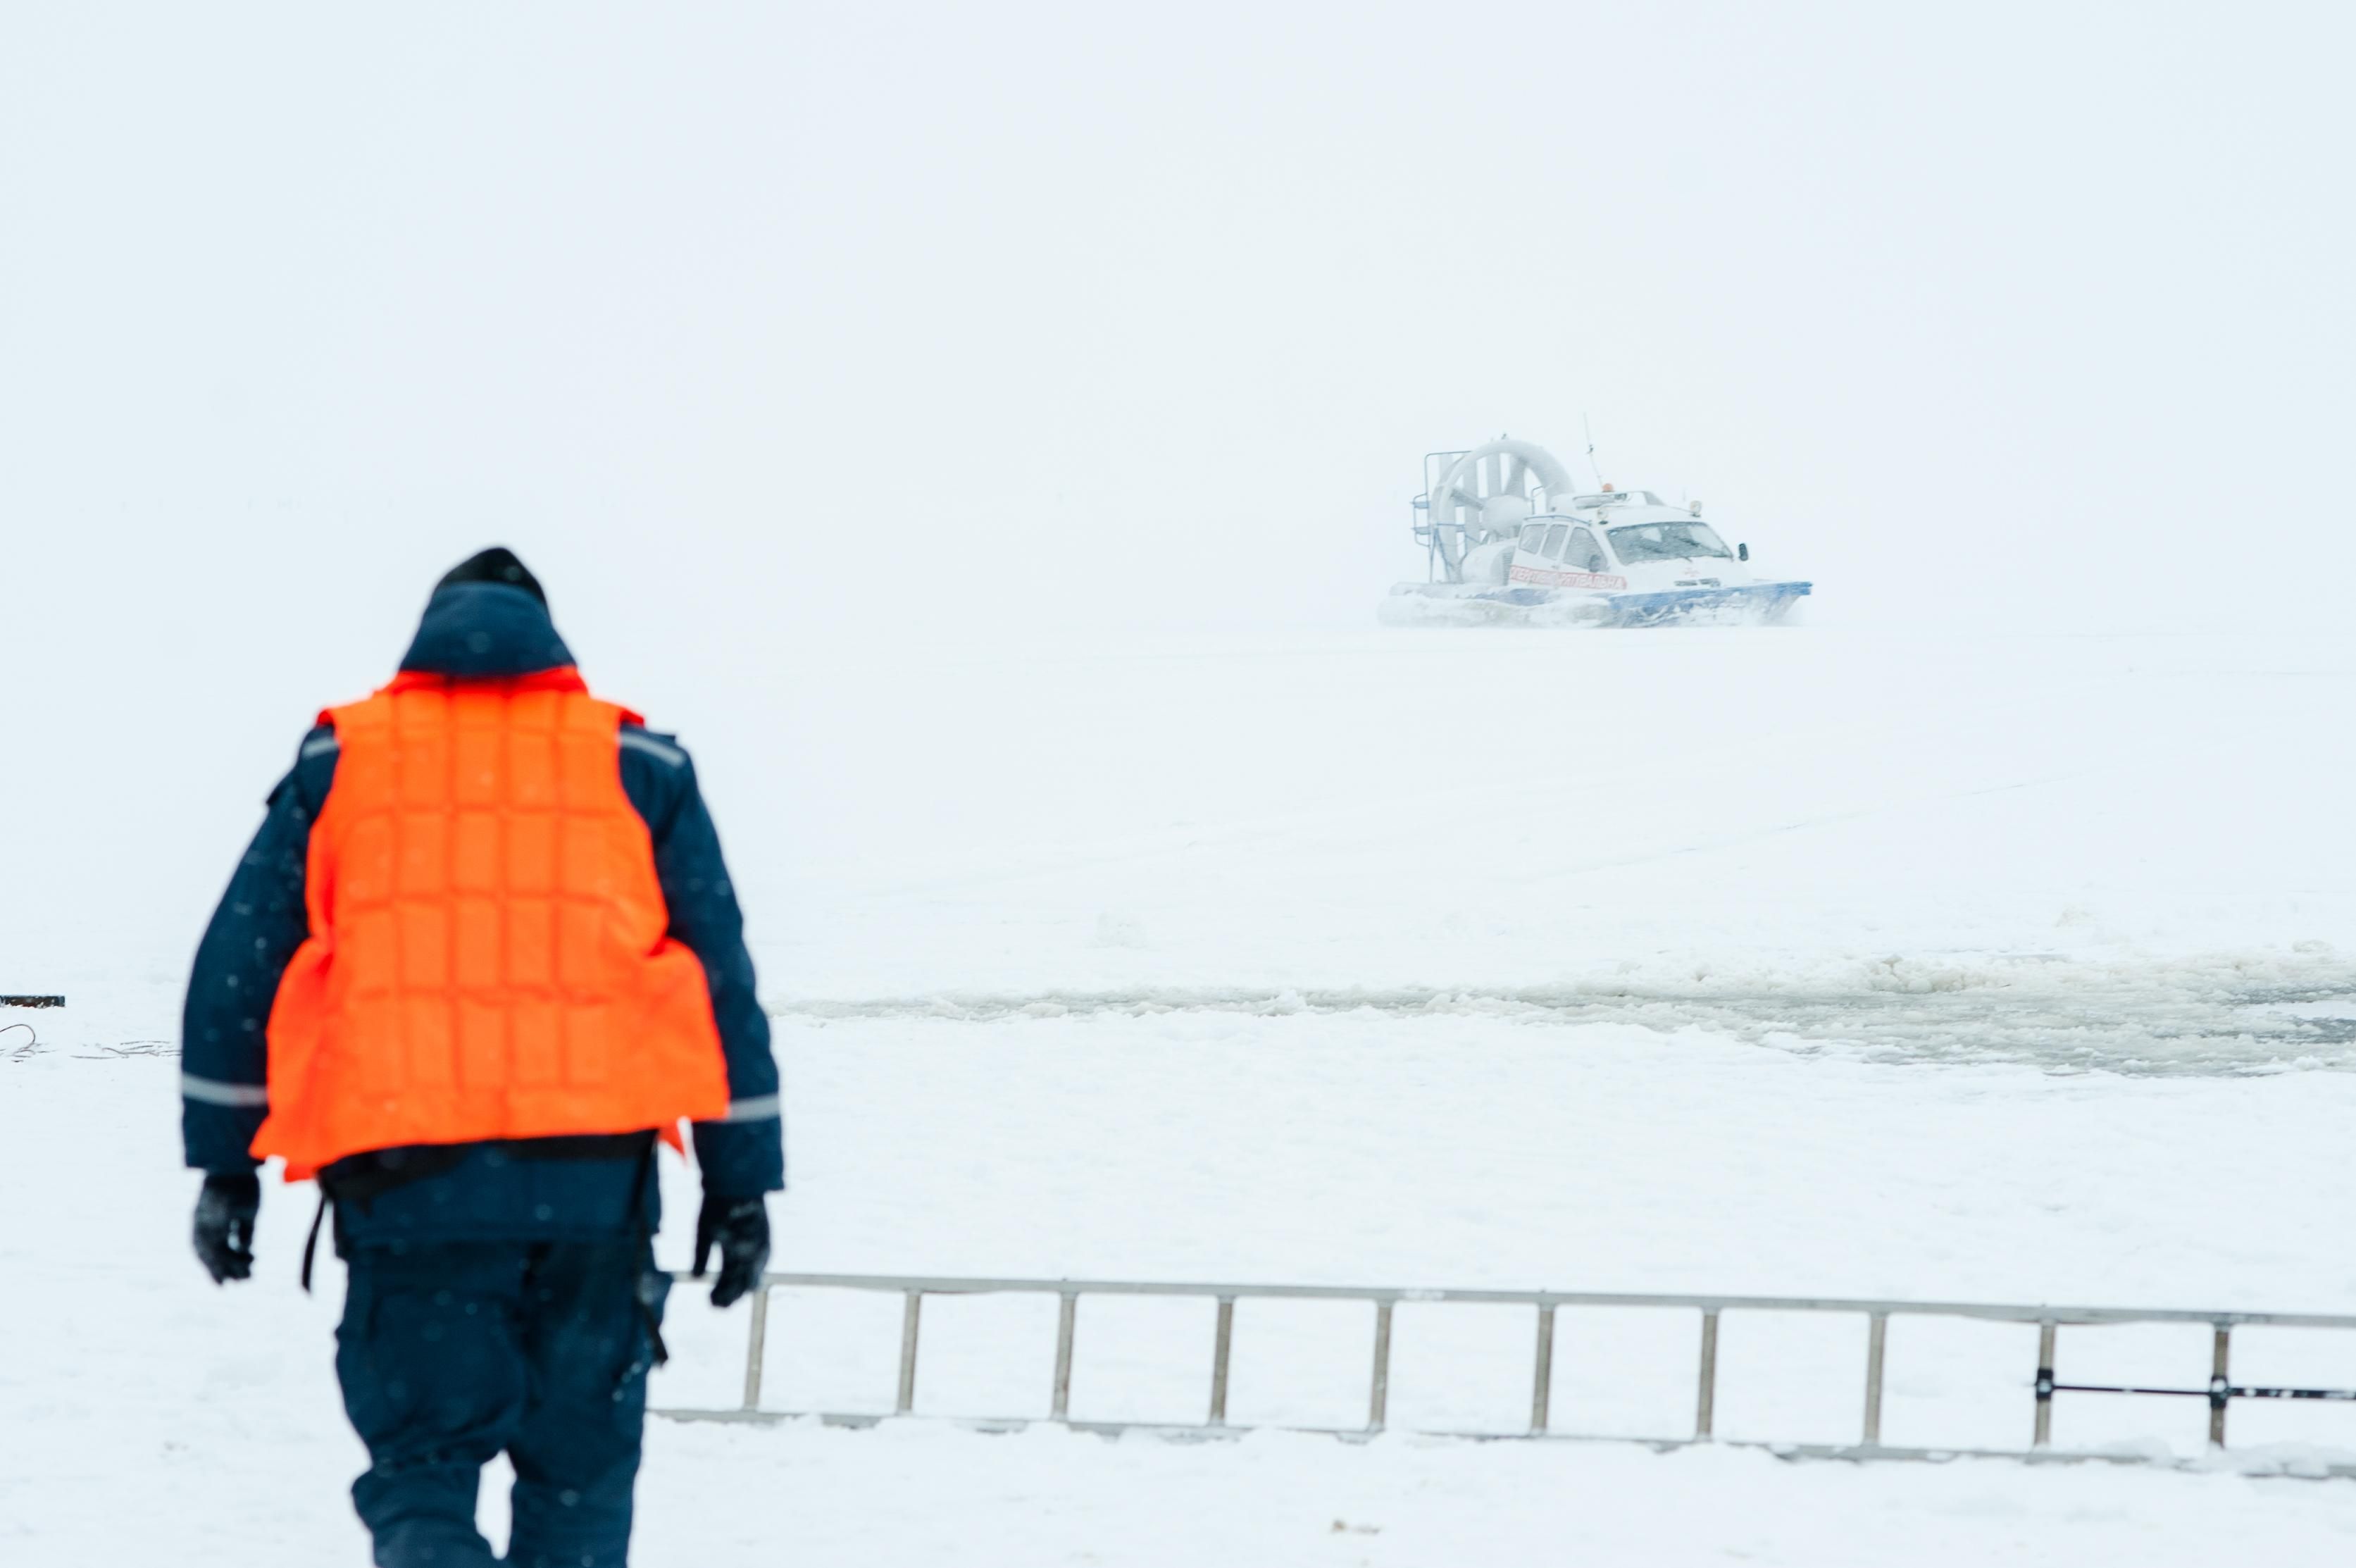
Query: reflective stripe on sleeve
x=760, y=1108
x=212, y=1092
x=319, y=746
x=638, y=740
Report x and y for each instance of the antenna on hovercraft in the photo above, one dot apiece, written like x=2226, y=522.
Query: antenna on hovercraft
x=1590, y=428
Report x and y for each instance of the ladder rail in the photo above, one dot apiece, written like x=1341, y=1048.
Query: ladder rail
x=2048, y=1319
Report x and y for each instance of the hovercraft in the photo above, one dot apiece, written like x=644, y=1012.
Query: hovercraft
x=1509, y=538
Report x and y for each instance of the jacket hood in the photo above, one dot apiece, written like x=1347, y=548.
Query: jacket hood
x=485, y=631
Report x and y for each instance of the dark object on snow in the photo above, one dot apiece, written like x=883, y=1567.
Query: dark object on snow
x=453, y=1352
x=497, y=564
x=32, y=1000
x=226, y=1208
x=739, y=1228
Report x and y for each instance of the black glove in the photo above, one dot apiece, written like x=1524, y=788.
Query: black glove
x=741, y=1227
x=226, y=1210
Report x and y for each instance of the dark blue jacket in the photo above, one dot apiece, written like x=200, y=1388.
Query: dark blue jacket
x=529, y=1189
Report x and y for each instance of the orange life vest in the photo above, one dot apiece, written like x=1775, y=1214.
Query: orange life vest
x=487, y=956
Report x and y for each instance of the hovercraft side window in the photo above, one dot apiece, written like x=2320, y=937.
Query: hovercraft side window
x=1585, y=553
x=1555, y=534
x=1668, y=542
x=1533, y=536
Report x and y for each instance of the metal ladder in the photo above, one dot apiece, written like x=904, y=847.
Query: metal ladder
x=2220, y=1390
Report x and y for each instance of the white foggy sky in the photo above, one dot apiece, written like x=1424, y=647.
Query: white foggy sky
x=759, y=328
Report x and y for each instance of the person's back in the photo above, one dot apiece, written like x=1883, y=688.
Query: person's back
x=482, y=953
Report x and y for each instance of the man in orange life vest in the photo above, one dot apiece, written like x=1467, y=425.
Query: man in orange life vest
x=481, y=956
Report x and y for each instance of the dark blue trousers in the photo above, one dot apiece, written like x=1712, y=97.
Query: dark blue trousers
x=453, y=1352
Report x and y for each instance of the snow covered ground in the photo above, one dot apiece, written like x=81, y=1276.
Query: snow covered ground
x=1861, y=809
x=1829, y=959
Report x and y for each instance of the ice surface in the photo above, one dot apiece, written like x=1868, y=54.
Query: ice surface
x=1812, y=960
